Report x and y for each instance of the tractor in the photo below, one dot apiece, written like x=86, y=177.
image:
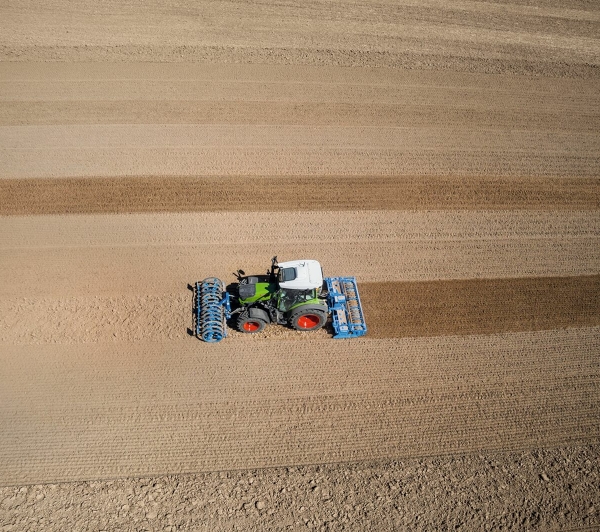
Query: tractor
x=292, y=293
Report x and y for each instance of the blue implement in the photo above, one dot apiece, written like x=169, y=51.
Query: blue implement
x=212, y=310
x=347, y=316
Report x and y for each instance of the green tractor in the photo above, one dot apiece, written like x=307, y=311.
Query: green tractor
x=292, y=293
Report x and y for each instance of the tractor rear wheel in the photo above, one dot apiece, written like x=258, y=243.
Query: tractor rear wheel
x=308, y=320
x=249, y=325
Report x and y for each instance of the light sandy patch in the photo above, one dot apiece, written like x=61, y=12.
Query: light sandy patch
x=160, y=254
x=138, y=409
x=451, y=124
x=312, y=161
x=281, y=228
x=156, y=270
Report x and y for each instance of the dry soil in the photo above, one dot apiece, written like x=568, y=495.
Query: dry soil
x=446, y=155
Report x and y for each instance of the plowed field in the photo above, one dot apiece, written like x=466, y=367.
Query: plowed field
x=446, y=156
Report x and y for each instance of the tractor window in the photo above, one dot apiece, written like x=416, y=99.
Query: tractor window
x=287, y=274
x=289, y=298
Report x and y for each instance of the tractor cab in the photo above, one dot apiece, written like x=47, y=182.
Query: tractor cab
x=299, y=281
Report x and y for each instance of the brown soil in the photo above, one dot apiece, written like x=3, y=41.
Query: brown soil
x=550, y=489
x=445, y=155
x=447, y=124
x=484, y=306
x=152, y=194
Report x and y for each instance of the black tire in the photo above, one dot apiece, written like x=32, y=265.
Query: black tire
x=249, y=325
x=308, y=320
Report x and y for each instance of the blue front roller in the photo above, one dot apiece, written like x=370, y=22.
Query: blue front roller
x=212, y=310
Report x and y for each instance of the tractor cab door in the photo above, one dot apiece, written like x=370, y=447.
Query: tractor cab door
x=288, y=298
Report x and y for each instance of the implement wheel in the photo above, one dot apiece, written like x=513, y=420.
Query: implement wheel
x=249, y=325
x=308, y=320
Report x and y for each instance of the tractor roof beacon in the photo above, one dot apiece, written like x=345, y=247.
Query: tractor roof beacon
x=292, y=293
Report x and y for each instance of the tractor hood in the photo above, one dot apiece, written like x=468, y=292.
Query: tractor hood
x=300, y=275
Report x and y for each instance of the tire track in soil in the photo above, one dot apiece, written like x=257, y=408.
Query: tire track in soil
x=294, y=193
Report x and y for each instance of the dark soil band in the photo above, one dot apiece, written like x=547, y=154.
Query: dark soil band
x=181, y=194
x=479, y=306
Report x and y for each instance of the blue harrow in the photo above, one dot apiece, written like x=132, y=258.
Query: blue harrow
x=212, y=311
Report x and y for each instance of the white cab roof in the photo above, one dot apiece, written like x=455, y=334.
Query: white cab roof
x=308, y=274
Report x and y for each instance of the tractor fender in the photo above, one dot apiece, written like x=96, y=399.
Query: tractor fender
x=259, y=314
x=305, y=308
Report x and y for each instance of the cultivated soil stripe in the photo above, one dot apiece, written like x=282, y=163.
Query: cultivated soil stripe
x=42, y=138
x=82, y=73
x=178, y=194
x=481, y=306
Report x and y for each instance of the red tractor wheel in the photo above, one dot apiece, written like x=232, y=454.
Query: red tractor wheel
x=308, y=320
x=249, y=325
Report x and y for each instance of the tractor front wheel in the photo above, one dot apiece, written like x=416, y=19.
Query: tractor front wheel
x=308, y=320
x=249, y=325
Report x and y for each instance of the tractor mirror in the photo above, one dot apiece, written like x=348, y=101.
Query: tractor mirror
x=241, y=272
